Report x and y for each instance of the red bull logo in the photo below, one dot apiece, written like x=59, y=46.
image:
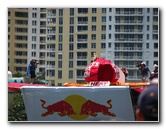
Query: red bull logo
x=77, y=107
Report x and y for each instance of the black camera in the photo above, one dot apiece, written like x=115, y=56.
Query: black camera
x=34, y=62
x=139, y=66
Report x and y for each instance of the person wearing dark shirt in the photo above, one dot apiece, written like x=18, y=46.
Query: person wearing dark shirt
x=125, y=71
x=31, y=70
x=144, y=71
x=155, y=71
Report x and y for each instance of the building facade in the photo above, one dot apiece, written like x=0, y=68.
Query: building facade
x=64, y=40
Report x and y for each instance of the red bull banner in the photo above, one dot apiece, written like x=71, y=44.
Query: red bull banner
x=109, y=103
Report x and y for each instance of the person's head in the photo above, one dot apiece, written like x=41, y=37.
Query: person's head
x=147, y=103
x=155, y=66
x=32, y=62
x=143, y=64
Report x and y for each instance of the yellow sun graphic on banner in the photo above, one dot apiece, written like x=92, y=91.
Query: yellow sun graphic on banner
x=76, y=101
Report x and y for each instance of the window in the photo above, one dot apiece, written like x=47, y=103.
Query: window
x=110, y=18
x=93, y=45
x=60, y=12
x=33, y=23
x=93, y=36
x=60, y=47
x=109, y=45
x=155, y=45
x=147, y=36
x=33, y=46
x=8, y=29
x=61, y=21
x=104, y=10
x=93, y=28
x=103, y=27
x=147, y=45
x=59, y=56
x=33, y=54
x=110, y=27
x=109, y=36
x=59, y=64
x=34, y=15
x=155, y=54
x=33, y=38
x=147, y=27
x=71, y=38
x=60, y=29
x=59, y=74
x=70, y=64
x=8, y=21
x=71, y=11
x=148, y=19
x=93, y=10
x=34, y=30
x=103, y=18
x=60, y=38
x=93, y=19
x=71, y=29
x=71, y=46
x=70, y=73
x=110, y=9
x=148, y=10
x=103, y=36
x=72, y=20
x=70, y=55
x=103, y=45
x=9, y=13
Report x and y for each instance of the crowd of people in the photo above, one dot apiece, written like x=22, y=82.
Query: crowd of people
x=144, y=70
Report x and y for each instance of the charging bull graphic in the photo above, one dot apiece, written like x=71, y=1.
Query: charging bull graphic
x=91, y=108
x=62, y=107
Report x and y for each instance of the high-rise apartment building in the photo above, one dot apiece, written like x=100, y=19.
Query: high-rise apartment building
x=64, y=40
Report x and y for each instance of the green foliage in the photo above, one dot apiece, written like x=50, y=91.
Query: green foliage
x=16, y=113
x=18, y=74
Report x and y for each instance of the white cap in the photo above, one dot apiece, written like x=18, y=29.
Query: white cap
x=155, y=65
x=143, y=63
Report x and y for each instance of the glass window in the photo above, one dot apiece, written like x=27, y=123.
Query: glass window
x=103, y=18
x=103, y=36
x=71, y=11
x=155, y=45
x=93, y=45
x=71, y=29
x=103, y=45
x=148, y=10
x=70, y=64
x=147, y=27
x=61, y=21
x=93, y=36
x=147, y=36
x=60, y=38
x=147, y=45
x=60, y=47
x=71, y=38
x=71, y=46
x=103, y=27
x=34, y=15
x=110, y=27
x=110, y=9
x=104, y=10
x=70, y=73
x=59, y=73
x=93, y=19
x=148, y=19
x=109, y=45
x=93, y=28
x=110, y=18
x=71, y=20
x=8, y=21
x=60, y=29
x=70, y=55
x=59, y=64
x=60, y=12
x=155, y=54
x=94, y=10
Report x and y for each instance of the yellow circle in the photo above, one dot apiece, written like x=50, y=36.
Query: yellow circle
x=76, y=101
